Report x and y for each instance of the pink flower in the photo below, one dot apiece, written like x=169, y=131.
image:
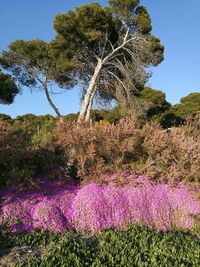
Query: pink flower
x=93, y=207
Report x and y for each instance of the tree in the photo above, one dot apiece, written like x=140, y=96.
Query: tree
x=178, y=113
x=111, y=48
x=35, y=122
x=151, y=105
x=8, y=89
x=5, y=117
x=154, y=102
x=32, y=65
x=189, y=106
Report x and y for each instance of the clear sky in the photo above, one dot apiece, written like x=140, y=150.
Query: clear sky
x=176, y=23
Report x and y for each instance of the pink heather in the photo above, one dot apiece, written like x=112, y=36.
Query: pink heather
x=57, y=206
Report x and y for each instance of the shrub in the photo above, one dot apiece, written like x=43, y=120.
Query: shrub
x=99, y=149
x=9, y=240
x=143, y=247
x=35, y=122
x=171, y=154
x=24, y=154
x=137, y=246
x=48, y=249
x=68, y=251
x=4, y=117
x=14, y=153
x=97, y=207
x=78, y=141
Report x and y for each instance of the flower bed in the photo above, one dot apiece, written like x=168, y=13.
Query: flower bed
x=57, y=206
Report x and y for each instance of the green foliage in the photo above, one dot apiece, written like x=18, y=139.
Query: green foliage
x=88, y=23
x=156, y=50
x=98, y=114
x=123, y=9
x=5, y=117
x=170, y=119
x=189, y=106
x=8, y=89
x=155, y=102
x=151, y=105
x=54, y=249
x=143, y=247
x=9, y=240
x=32, y=65
x=71, y=117
x=35, y=122
x=42, y=138
x=138, y=246
x=143, y=20
x=25, y=59
x=67, y=252
x=178, y=113
x=113, y=115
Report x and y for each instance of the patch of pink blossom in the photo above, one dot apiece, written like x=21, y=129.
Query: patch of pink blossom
x=57, y=206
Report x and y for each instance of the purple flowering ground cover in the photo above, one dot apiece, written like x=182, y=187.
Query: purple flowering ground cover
x=57, y=206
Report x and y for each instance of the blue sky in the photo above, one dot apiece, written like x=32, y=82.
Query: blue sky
x=176, y=23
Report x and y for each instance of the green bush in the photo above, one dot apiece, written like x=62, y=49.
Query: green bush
x=37, y=238
x=144, y=247
x=137, y=247
x=35, y=122
x=54, y=249
x=5, y=117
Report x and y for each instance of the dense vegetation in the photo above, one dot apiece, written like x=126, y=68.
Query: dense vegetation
x=101, y=162
x=60, y=205
x=136, y=247
x=32, y=145
x=102, y=187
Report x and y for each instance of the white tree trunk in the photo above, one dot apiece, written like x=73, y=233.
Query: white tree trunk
x=91, y=90
x=89, y=95
x=87, y=117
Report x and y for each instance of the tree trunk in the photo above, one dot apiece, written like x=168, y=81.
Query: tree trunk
x=51, y=102
x=87, y=117
x=89, y=95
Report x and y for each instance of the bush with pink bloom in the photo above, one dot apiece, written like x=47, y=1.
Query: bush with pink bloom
x=93, y=207
x=157, y=206
x=48, y=216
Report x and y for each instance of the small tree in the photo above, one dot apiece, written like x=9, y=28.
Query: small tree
x=189, y=105
x=154, y=101
x=111, y=48
x=32, y=65
x=8, y=89
x=178, y=114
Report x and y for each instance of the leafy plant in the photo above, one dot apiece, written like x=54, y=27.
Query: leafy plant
x=138, y=246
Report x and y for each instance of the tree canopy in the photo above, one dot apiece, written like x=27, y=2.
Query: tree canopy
x=155, y=102
x=106, y=50
x=8, y=89
x=111, y=47
x=32, y=65
x=189, y=105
